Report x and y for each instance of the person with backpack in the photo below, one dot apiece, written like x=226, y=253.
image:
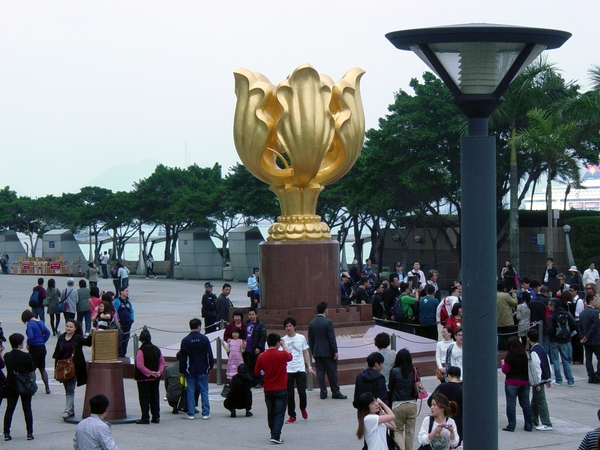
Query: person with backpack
x=36, y=301
x=560, y=325
x=68, y=300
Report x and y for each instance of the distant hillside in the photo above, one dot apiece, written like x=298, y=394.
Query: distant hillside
x=121, y=178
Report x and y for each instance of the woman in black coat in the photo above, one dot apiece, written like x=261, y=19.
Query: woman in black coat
x=69, y=345
x=17, y=361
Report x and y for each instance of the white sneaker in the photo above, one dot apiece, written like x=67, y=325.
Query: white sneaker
x=147, y=278
x=543, y=428
x=206, y=417
x=187, y=416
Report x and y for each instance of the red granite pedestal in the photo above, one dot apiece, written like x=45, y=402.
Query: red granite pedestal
x=106, y=377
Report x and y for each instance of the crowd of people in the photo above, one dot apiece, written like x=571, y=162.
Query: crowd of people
x=386, y=392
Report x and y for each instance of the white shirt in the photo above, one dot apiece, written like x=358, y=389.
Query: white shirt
x=375, y=433
x=93, y=434
x=297, y=344
x=422, y=279
x=590, y=276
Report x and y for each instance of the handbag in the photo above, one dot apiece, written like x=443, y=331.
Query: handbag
x=25, y=382
x=226, y=389
x=439, y=375
x=65, y=369
x=391, y=442
x=421, y=391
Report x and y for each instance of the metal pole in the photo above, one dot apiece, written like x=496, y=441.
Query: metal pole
x=219, y=361
x=136, y=344
x=394, y=341
x=478, y=260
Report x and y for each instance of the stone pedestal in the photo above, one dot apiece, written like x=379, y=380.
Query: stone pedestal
x=296, y=276
x=106, y=377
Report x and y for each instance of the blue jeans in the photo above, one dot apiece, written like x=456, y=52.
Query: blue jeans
x=199, y=382
x=38, y=313
x=566, y=356
x=87, y=317
x=276, y=402
x=522, y=392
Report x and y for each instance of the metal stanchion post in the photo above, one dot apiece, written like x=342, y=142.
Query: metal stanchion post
x=219, y=361
x=136, y=344
x=393, y=342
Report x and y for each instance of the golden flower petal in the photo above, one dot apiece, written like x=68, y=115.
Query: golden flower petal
x=347, y=110
x=306, y=127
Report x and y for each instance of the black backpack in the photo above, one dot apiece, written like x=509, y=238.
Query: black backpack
x=562, y=331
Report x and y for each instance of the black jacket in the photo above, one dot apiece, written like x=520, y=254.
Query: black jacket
x=16, y=361
x=389, y=297
x=369, y=380
x=590, y=325
x=402, y=388
x=209, y=306
x=78, y=358
x=259, y=336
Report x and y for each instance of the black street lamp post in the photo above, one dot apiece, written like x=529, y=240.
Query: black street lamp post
x=477, y=62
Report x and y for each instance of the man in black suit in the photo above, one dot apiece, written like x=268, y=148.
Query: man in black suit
x=590, y=330
x=323, y=346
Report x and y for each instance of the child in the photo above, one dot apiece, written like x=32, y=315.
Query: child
x=235, y=347
x=240, y=395
x=173, y=386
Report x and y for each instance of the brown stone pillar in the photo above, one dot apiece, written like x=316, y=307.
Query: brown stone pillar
x=106, y=377
x=298, y=275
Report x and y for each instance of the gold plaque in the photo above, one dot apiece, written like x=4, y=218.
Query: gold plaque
x=105, y=345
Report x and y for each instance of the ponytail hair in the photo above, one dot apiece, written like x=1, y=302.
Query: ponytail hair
x=450, y=408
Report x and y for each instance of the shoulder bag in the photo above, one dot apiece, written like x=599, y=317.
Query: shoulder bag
x=25, y=383
x=65, y=369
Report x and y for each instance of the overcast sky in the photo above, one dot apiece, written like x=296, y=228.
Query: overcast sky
x=89, y=85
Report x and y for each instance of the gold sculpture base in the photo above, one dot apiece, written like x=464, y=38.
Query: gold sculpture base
x=299, y=228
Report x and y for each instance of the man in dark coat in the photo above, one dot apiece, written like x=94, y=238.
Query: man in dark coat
x=590, y=336
x=223, y=304
x=209, y=308
x=371, y=380
x=323, y=346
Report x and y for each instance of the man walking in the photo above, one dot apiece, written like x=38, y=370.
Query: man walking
x=296, y=368
x=323, y=345
x=38, y=309
x=209, y=308
x=195, y=362
x=590, y=275
x=427, y=314
x=590, y=332
x=69, y=299
x=539, y=378
x=560, y=325
x=271, y=365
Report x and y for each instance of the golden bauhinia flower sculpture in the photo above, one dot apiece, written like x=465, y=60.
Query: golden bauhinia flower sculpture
x=299, y=136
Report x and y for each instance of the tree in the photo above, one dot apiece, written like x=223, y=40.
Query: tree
x=552, y=142
x=178, y=199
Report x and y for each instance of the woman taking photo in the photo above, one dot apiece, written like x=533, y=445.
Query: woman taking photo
x=69, y=345
x=374, y=418
x=439, y=429
x=37, y=336
x=403, y=398
x=52, y=299
x=516, y=384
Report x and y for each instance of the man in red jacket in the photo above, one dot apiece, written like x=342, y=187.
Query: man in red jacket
x=272, y=366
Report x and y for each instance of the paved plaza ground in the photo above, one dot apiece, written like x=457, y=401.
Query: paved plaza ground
x=166, y=306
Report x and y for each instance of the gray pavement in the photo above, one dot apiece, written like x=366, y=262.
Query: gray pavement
x=167, y=306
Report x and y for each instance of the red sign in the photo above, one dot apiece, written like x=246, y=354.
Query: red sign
x=54, y=266
x=26, y=266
